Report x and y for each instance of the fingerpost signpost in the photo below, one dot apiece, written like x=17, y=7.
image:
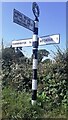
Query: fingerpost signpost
x=28, y=23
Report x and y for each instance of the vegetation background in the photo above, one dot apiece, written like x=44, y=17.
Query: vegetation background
x=17, y=83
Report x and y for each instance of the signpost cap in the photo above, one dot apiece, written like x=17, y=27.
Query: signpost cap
x=35, y=9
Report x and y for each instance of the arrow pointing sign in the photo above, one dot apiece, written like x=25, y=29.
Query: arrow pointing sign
x=23, y=20
x=45, y=40
x=52, y=39
x=22, y=43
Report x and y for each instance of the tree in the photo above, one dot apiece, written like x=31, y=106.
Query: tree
x=41, y=54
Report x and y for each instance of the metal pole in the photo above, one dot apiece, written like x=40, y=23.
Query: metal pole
x=35, y=61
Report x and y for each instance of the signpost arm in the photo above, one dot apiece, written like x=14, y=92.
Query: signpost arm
x=35, y=61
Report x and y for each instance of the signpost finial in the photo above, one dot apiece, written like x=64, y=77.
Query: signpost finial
x=35, y=9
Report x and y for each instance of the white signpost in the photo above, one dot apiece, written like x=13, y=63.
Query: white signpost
x=45, y=40
x=22, y=43
x=51, y=39
x=28, y=23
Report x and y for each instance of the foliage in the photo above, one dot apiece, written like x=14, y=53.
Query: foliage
x=53, y=81
x=17, y=105
x=41, y=54
x=52, y=86
x=9, y=55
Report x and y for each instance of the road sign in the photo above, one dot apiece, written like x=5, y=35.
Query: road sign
x=26, y=22
x=22, y=43
x=23, y=20
x=45, y=40
x=50, y=39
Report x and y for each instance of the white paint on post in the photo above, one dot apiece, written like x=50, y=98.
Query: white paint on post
x=36, y=24
x=33, y=102
x=34, y=84
x=35, y=61
x=35, y=37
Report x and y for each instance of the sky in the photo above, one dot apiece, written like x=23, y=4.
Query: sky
x=52, y=20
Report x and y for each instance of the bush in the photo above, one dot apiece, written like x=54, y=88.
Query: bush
x=52, y=88
x=18, y=105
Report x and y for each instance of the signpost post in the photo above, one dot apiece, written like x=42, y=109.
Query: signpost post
x=35, y=9
x=28, y=23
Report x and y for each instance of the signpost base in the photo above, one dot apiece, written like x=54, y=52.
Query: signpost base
x=33, y=102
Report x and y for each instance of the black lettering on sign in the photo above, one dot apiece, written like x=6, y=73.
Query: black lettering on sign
x=24, y=42
x=40, y=40
x=29, y=41
x=48, y=39
x=19, y=43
